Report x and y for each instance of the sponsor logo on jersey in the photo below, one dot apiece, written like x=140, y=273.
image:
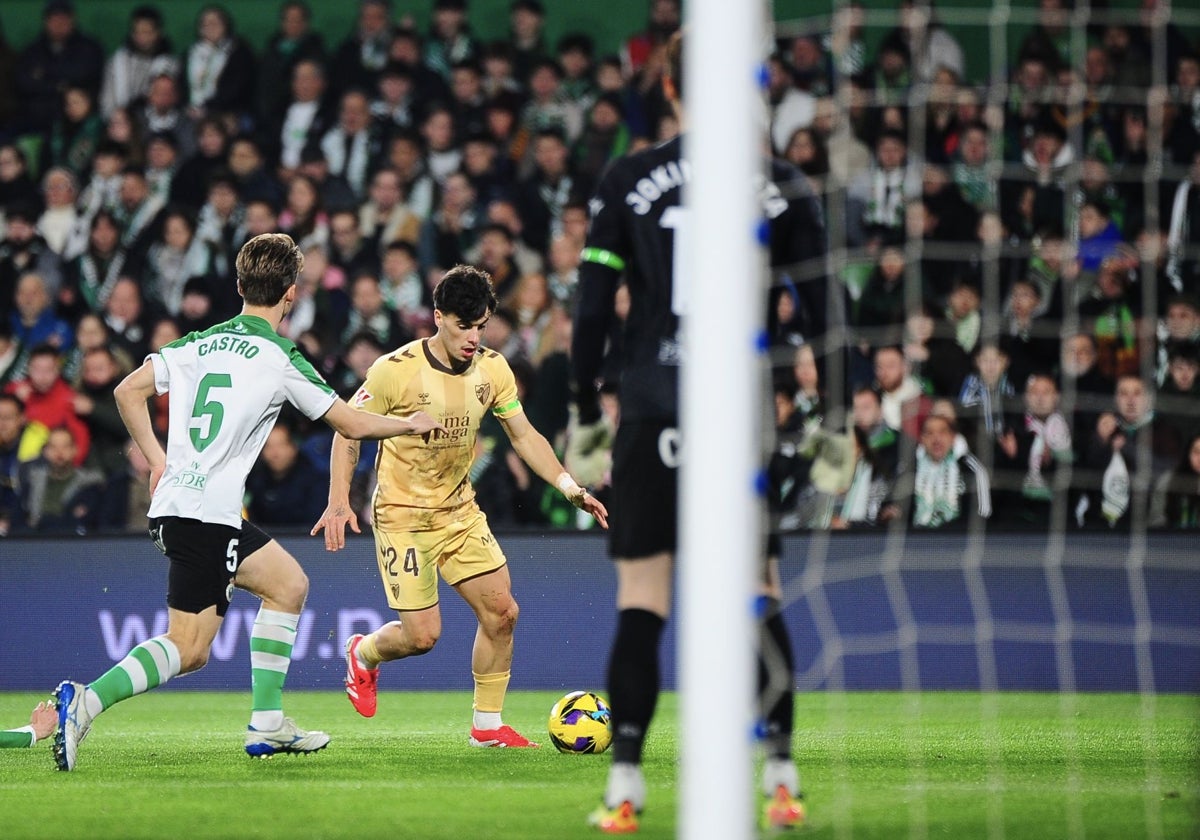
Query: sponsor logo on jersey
x=423, y=398
x=361, y=396
x=482, y=392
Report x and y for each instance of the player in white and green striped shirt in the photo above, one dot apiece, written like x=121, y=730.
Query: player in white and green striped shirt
x=226, y=385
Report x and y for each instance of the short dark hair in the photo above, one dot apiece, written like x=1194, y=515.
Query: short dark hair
x=465, y=291
x=267, y=266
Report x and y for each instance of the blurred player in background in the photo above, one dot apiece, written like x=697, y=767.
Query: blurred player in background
x=425, y=516
x=636, y=213
x=227, y=386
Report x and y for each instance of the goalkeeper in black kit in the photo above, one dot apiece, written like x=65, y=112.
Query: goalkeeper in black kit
x=636, y=217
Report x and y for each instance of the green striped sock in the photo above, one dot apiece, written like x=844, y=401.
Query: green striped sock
x=148, y=665
x=271, y=643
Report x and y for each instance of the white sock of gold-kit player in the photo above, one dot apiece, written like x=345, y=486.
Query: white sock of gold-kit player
x=271, y=643
x=147, y=666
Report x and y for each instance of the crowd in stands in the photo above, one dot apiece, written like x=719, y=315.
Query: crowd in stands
x=1018, y=277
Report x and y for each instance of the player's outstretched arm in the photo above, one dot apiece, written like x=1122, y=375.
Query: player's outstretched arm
x=363, y=425
x=131, y=395
x=43, y=719
x=536, y=451
x=343, y=458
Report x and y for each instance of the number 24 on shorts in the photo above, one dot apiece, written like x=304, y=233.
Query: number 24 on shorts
x=410, y=561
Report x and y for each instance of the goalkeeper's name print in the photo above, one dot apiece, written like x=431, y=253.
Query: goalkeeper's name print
x=660, y=182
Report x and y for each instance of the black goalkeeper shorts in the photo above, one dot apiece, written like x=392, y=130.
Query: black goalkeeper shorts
x=644, y=498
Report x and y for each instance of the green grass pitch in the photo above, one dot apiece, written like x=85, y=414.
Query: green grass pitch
x=875, y=765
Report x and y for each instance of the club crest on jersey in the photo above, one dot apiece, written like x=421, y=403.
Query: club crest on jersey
x=483, y=392
x=361, y=396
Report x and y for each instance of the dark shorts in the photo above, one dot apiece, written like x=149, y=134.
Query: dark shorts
x=644, y=507
x=204, y=559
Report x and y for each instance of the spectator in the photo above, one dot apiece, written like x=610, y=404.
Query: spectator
x=791, y=108
x=499, y=71
x=1050, y=40
x=162, y=112
x=933, y=355
x=875, y=199
x=1033, y=448
x=964, y=316
x=1183, y=265
x=351, y=145
x=467, y=102
x=881, y=439
x=450, y=40
x=1180, y=325
x=563, y=269
x=358, y=60
x=139, y=213
x=941, y=489
x=408, y=50
x=443, y=155
x=1117, y=475
x=17, y=188
x=162, y=162
x=251, y=177
x=177, y=255
x=1176, y=502
x=20, y=443
x=576, y=52
x=400, y=283
x=988, y=392
x=496, y=256
x=293, y=42
x=808, y=152
x=930, y=45
x=144, y=55
x=1179, y=395
x=76, y=130
x=1112, y=312
x=91, y=333
x=301, y=121
x=303, y=217
x=334, y=190
x=368, y=314
x=900, y=392
x=220, y=224
x=285, y=488
x=879, y=310
x=605, y=138
x=452, y=229
x=970, y=168
x=34, y=321
x=1030, y=342
x=49, y=400
x=125, y=315
x=191, y=180
x=24, y=250
x=491, y=174
x=12, y=357
x=58, y=495
x=103, y=190
x=1099, y=235
x=59, y=57
x=123, y=129
x=349, y=250
x=395, y=105
x=406, y=155
x=97, y=407
x=358, y=353
x=219, y=70
x=91, y=276
x=384, y=218
x=542, y=196
x=60, y=224
x=810, y=65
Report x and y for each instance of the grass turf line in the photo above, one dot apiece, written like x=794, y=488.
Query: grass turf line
x=171, y=764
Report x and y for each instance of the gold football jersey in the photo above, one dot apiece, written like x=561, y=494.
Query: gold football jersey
x=422, y=480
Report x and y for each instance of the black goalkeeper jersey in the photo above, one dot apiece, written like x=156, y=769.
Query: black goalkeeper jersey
x=636, y=215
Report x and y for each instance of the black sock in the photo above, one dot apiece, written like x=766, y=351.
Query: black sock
x=776, y=684
x=633, y=681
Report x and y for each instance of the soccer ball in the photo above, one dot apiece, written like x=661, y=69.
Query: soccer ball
x=581, y=723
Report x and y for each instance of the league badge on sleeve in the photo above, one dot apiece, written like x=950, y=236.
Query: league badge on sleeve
x=361, y=397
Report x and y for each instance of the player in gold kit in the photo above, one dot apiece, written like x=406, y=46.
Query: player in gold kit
x=425, y=517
